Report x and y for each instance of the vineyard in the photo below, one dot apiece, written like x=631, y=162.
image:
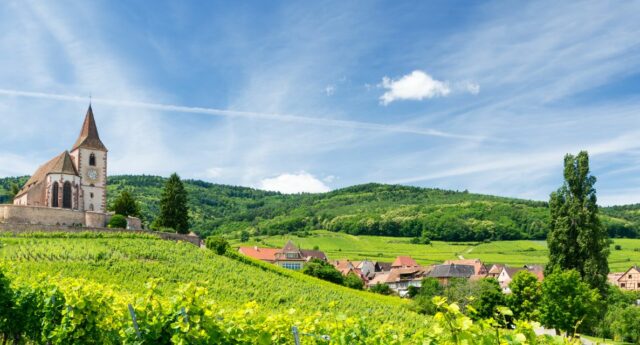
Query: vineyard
x=89, y=288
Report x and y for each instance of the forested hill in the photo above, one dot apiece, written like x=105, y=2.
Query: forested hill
x=370, y=209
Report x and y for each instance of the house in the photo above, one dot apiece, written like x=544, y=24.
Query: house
x=480, y=270
x=383, y=266
x=404, y=262
x=290, y=256
x=400, y=279
x=444, y=273
x=506, y=275
x=630, y=280
x=495, y=270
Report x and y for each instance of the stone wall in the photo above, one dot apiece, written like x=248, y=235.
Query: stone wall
x=28, y=228
x=34, y=215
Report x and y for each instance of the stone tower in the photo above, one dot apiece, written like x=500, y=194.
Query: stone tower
x=90, y=157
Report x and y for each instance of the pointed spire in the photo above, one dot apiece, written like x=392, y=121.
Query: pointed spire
x=89, y=137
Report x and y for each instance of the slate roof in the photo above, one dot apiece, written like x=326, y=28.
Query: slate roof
x=89, y=137
x=60, y=164
x=452, y=271
x=318, y=254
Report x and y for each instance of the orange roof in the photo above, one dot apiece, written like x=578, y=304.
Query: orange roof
x=266, y=254
x=404, y=261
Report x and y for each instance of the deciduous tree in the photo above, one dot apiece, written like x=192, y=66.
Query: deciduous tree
x=577, y=240
x=526, y=293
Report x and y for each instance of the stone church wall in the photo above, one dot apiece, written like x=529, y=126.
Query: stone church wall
x=19, y=214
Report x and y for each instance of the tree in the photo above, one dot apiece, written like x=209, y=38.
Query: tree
x=15, y=189
x=173, y=206
x=353, y=281
x=567, y=302
x=577, y=240
x=323, y=270
x=244, y=236
x=423, y=301
x=126, y=205
x=526, y=293
x=117, y=221
x=625, y=323
x=218, y=244
x=489, y=296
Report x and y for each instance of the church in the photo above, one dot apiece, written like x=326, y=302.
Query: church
x=75, y=179
x=70, y=189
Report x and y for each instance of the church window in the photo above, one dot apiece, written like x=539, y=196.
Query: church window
x=92, y=160
x=54, y=194
x=91, y=207
x=66, y=195
x=91, y=195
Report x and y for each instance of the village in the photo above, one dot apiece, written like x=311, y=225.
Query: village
x=404, y=272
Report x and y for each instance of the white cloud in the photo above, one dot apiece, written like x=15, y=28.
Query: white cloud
x=330, y=90
x=417, y=85
x=301, y=182
x=472, y=87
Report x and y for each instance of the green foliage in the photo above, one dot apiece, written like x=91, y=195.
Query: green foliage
x=382, y=289
x=126, y=204
x=488, y=298
x=9, y=187
x=173, y=206
x=218, y=244
x=577, y=239
x=323, y=270
x=624, y=323
x=567, y=302
x=118, y=221
x=244, y=236
x=423, y=301
x=353, y=281
x=525, y=297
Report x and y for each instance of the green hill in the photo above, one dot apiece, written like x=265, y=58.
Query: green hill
x=370, y=209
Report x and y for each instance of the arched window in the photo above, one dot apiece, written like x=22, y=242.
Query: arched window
x=66, y=195
x=90, y=207
x=92, y=160
x=54, y=194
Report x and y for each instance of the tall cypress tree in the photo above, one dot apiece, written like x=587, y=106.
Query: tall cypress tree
x=173, y=206
x=577, y=240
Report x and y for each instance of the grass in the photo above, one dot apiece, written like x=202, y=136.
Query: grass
x=514, y=253
x=597, y=340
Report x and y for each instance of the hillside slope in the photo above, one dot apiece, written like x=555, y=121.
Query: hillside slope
x=370, y=209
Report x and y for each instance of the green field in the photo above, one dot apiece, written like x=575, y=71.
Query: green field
x=514, y=253
x=127, y=263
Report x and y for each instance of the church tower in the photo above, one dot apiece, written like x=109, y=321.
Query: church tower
x=90, y=157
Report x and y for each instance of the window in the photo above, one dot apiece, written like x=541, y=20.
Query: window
x=629, y=276
x=92, y=160
x=623, y=285
x=54, y=194
x=292, y=265
x=291, y=255
x=90, y=207
x=66, y=195
x=91, y=195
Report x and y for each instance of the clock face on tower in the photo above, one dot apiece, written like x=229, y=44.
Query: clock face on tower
x=92, y=174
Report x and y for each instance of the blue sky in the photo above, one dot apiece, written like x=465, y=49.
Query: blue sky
x=313, y=96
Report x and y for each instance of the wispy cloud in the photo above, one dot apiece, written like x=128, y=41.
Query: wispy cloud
x=245, y=114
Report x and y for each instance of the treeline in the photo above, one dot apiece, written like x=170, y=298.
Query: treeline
x=369, y=209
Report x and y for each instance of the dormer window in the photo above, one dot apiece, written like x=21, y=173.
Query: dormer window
x=92, y=160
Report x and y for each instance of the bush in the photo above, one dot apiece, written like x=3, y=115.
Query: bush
x=218, y=244
x=617, y=247
x=382, y=289
x=118, y=222
x=353, y=281
x=323, y=270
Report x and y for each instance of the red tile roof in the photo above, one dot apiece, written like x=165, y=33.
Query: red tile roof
x=266, y=254
x=404, y=261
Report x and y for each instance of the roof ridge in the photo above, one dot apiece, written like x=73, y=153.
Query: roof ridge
x=89, y=137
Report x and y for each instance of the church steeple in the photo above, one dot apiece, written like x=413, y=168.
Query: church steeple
x=89, y=137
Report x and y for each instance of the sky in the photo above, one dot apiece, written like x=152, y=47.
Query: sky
x=312, y=96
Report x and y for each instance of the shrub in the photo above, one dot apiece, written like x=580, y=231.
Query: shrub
x=118, y=221
x=617, y=247
x=382, y=289
x=353, y=281
x=218, y=244
x=323, y=270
